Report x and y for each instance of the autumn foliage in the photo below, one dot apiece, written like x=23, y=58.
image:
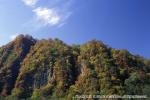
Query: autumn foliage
x=45, y=69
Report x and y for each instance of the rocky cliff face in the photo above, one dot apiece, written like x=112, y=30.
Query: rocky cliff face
x=38, y=69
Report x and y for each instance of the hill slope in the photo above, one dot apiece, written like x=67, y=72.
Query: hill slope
x=39, y=69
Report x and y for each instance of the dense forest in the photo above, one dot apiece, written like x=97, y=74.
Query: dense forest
x=50, y=69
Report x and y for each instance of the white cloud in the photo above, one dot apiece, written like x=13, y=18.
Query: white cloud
x=54, y=13
x=30, y=2
x=13, y=36
x=47, y=16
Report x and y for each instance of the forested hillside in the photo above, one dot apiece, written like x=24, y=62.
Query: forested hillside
x=47, y=69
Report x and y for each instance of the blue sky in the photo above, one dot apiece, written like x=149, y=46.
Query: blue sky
x=122, y=24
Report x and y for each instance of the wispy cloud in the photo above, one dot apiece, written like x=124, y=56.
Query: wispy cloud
x=47, y=16
x=50, y=15
x=30, y=2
